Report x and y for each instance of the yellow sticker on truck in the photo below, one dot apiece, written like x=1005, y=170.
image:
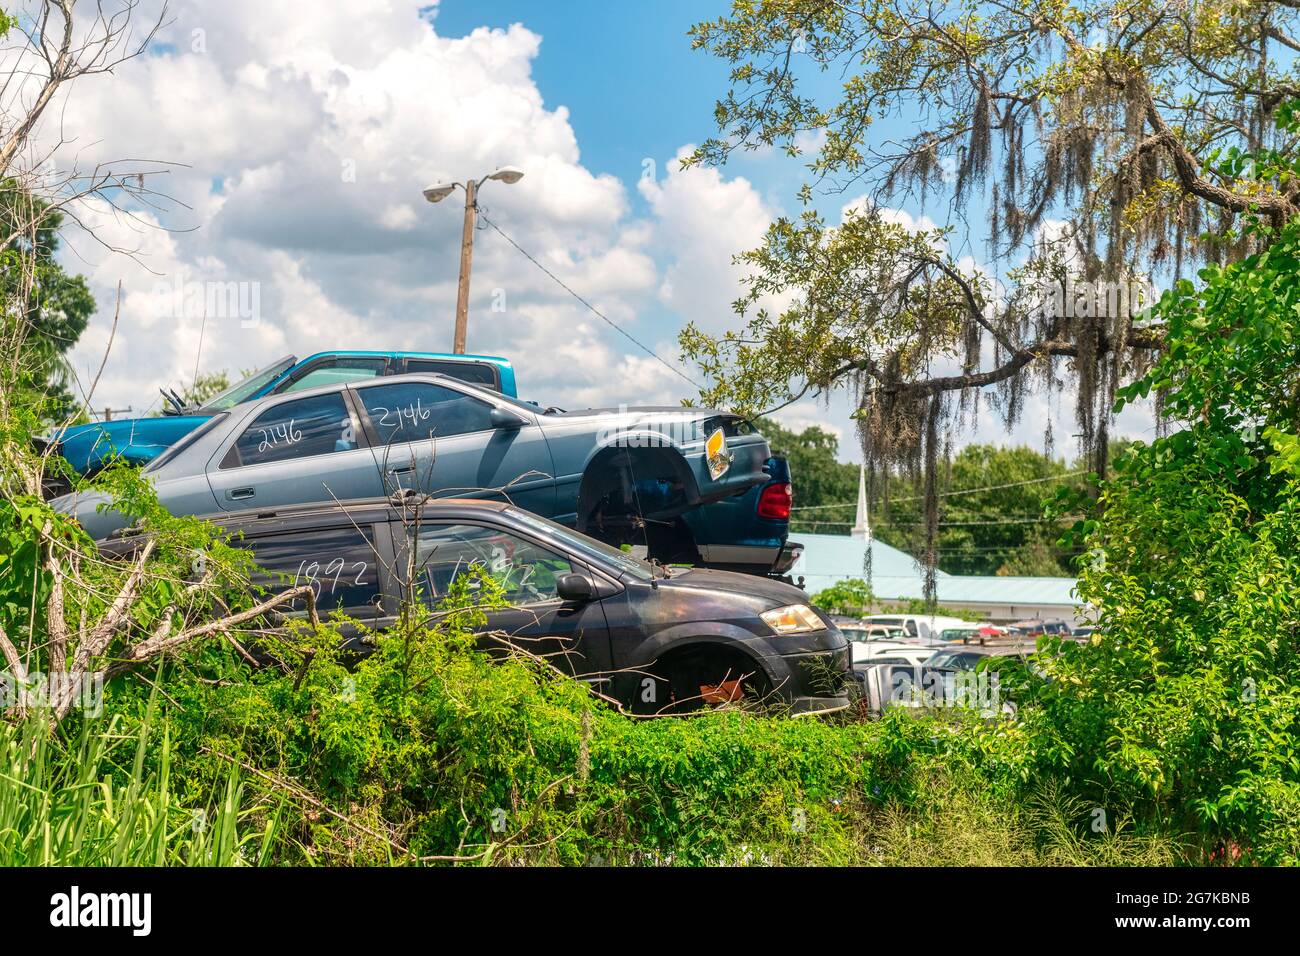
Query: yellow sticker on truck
x=715, y=453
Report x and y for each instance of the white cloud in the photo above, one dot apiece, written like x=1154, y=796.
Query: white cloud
x=300, y=144
x=702, y=221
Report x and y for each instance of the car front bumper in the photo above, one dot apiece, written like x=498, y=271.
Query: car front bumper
x=814, y=681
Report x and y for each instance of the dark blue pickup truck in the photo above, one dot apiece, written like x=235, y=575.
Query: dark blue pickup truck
x=749, y=533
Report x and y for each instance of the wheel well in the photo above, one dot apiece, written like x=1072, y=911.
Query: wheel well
x=636, y=496
x=718, y=661
x=611, y=467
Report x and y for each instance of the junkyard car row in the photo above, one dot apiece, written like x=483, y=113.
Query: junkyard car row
x=953, y=664
x=317, y=464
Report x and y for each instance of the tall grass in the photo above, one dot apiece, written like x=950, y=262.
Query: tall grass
x=89, y=801
x=956, y=822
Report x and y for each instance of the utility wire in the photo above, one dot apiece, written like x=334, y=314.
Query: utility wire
x=942, y=524
x=950, y=494
x=610, y=322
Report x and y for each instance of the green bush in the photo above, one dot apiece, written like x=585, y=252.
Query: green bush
x=1185, y=709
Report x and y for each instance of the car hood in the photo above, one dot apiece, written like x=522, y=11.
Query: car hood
x=763, y=591
x=128, y=432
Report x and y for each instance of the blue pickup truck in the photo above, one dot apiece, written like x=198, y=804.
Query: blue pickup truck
x=88, y=448
x=747, y=532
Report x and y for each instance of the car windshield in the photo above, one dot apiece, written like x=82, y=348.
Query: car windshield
x=598, y=550
x=243, y=390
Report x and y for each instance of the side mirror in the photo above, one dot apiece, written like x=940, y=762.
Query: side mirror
x=500, y=418
x=575, y=587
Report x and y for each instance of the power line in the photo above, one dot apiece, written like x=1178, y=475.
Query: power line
x=608, y=321
x=943, y=524
x=949, y=494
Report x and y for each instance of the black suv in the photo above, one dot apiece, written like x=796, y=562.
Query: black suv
x=655, y=639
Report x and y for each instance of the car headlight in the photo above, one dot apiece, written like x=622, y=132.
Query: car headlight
x=792, y=619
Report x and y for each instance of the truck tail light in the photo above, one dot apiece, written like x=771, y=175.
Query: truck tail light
x=775, y=500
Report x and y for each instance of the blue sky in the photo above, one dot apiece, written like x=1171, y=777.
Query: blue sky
x=627, y=100
x=633, y=85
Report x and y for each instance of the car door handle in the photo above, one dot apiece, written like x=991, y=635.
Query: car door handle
x=239, y=494
x=403, y=470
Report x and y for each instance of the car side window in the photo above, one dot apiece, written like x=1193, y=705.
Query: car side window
x=476, y=373
x=527, y=571
x=338, y=563
x=319, y=425
x=337, y=372
x=417, y=411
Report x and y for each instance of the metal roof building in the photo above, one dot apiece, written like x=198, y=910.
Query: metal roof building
x=897, y=576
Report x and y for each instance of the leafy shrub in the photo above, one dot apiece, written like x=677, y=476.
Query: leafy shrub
x=1185, y=708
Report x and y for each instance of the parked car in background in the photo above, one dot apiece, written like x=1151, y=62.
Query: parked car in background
x=948, y=677
x=655, y=639
x=972, y=633
x=137, y=441
x=432, y=434
x=1037, y=628
x=924, y=626
x=889, y=652
x=860, y=633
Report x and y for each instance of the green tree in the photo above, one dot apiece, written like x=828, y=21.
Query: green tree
x=850, y=596
x=1186, y=705
x=51, y=306
x=991, y=516
x=1106, y=118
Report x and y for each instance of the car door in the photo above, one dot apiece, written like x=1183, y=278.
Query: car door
x=343, y=561
x=572, y=636
x=296, y=451
x=436, y=439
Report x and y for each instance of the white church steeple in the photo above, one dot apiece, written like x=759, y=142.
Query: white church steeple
x=861, y=526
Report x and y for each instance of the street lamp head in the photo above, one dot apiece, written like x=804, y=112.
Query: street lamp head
x=508, y=175
x=439, y=192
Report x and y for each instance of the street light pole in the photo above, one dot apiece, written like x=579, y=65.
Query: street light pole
x=466, y=264
x=506, y=174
